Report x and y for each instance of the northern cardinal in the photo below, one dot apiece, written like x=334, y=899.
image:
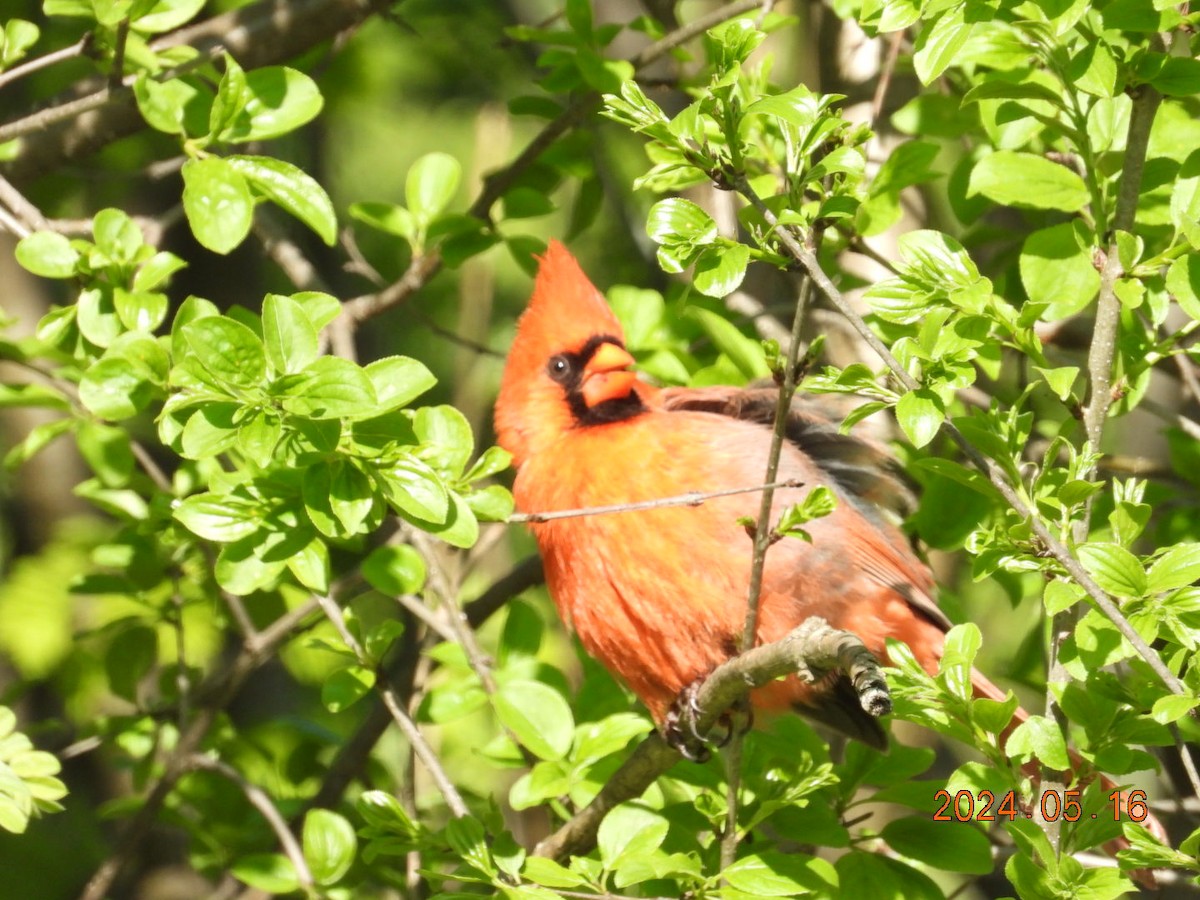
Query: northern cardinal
x=659, y=595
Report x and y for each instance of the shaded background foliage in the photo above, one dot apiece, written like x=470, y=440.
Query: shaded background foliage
x=92, y=675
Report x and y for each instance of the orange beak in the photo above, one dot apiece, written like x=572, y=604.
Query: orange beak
x=606, y=375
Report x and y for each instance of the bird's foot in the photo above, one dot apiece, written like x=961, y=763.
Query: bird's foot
x=681, y=732
x=679, y=727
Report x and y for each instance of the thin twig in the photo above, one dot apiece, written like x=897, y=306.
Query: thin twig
x=399, y=715
x=426, y=265
x=255, y=651
x=1057, y=549
x=45, y=60
x=763, y=537
x=692, y=498
x=259, y=799
x=29, y=215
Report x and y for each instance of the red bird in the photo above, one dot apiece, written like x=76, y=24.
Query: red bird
x=659, y=595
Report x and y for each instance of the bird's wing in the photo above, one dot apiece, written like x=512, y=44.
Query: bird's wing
x=860, y=466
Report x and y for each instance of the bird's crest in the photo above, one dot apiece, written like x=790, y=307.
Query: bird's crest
x=565, y=312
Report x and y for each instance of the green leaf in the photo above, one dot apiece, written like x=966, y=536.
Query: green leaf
x=920, y=414
x=958, y=658
x=744, y=352
x=310, y=565
x=1178, y=567
x=320, y=308
x=1172, y=708
x=115, y=388
x=938, y=45
x=17, y=37
x=345, y=687
x=47, y=253
x=1178, y=76
x=1027, y=181
x=292, y=189
x=167, y=15
x=175, y=106
x=721, y=268
x=231, y=97
x=117, y=235
x=951, y=846
x=108, y=451
x=629, y=829
x=1114, y=568
x=269, y=872
x=1183, y=281
x=258, y=435
x=289, y=338
x=332, y=388
x=538, y=716
x=461, y=528
x=771, y=874
x=431, y=184
x=493, y=503
x=96, y=313
x=1060, y=380
x=398, y=380
x=217, y=202
x=395, y=570
x=1040, y=737
x=416, y=490
x=227, y=349
x=329, y=845
x=1057, y=269
x=446, y=431
x=129, y=658
x=870, y=875
x=676, y=220
x=218, y=517
x=140, y=310
x=210, y=430
x=280, y=100
x=351, y=495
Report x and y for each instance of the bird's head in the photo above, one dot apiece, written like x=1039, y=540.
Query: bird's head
x=568, y=366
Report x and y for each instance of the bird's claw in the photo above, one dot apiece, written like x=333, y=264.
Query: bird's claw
x=679, y=727
x=681, y=733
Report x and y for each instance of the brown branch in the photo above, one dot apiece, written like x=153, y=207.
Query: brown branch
x=259, y=799
x=47, y=59
x=1056, y=547
x=425, y=266
x=263, y=33
x=399, y=715
x=1108, y=308
x=810, y=651
x=763, y=538
x=255, y=651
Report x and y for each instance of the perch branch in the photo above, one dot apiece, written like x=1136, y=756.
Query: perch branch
x=810, y=651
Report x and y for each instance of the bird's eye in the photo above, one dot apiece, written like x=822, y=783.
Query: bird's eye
x=560, y=368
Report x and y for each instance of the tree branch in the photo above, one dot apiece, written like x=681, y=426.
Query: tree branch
x=255, y=651
x=259, y=799
x=426, y=265
x=810, y=651
x=1056, y=547
x=262, y=34
x=399, y=715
